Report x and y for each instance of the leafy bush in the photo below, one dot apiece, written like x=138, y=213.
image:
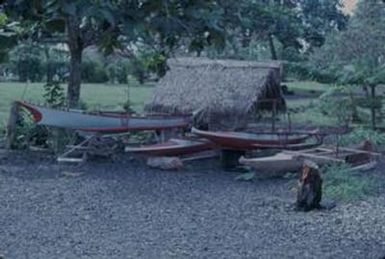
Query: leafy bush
x=341, y=184
x=297, y=70
x=28, y=133
x=27, y=63
x=360, y=134
x=336, y=104
x=118, y=71
x=93, y=72
x=54, y=94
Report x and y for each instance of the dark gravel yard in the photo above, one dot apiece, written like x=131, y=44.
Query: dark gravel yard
x=125, y=210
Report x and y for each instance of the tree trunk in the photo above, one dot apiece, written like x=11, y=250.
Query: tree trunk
x=49, y=65
x=373, y=106
x=76, y=49
x=272, y=48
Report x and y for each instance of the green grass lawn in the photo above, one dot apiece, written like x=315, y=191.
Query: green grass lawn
x=96, y=96
x=307, y=86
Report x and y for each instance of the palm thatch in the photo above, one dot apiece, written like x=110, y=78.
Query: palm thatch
x=225, y=92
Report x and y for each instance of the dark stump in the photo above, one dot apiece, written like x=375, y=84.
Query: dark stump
x=309, y=193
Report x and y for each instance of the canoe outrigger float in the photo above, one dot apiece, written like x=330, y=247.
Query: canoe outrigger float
x=101, y=123
x=289, y=161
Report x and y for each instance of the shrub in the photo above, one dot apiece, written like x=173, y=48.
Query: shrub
x=360, y=134
x=93, y=72
x=344, y=185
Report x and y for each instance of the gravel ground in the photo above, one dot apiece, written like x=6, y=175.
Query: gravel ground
x=125, y=210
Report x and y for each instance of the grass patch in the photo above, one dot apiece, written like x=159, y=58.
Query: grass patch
x=96, y=96
x=343, y=185
x=307, y=85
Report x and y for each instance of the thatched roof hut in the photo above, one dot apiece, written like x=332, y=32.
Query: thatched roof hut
x=225, y=92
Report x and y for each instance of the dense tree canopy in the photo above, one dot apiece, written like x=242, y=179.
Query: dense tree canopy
x=111, y=24
x=294, y=24
x=356, y=56
x=163, y=26
x=360, y=50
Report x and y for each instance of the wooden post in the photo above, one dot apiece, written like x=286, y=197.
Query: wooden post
x=274, y=115
x=373, y=105
x=289, y=120
x=12, y=124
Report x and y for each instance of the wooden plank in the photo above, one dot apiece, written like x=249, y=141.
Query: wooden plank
x=200, y=156
x=353, y=150
x=360, y=151
x=300, y=154
x=70, y=159
x=364, y=167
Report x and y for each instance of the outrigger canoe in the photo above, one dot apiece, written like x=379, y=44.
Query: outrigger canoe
x=289, y=161
x=246, y=141
x=103, y=123
x=173, y=147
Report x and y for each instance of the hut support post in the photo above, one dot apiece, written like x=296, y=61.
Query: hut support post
x=274, y=115
x=12, y=124
x=289, y=120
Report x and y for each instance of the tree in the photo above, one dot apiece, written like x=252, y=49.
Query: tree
x=77, y=23
x=294, y=24
x=321, y=18
x=113, y=24
x=7, y=36
x=356, y=56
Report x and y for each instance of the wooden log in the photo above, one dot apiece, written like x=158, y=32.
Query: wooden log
x=12, y=125
x=309, y=193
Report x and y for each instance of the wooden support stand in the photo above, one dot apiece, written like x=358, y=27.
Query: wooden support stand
x=229, y=158
x=12, y=125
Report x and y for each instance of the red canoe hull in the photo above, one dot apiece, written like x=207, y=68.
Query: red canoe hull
x=173, y=147
x=248, y=141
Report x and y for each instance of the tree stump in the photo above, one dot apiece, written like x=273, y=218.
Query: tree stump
x=309, y=193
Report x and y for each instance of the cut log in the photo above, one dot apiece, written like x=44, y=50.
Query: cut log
x=309, y=193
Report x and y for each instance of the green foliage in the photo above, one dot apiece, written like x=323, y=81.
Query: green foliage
x=279, y=26
x=321, y=18
x=27, y=62
x=334, y=103
x=28, y=133
x=355, y=56
x=298, y=70
x=54, y=94
x=118, y=70
x=93, y=72
x=360, y=134
x=341, y=184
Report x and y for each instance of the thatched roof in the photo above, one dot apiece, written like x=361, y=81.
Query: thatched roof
x=216, y=87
